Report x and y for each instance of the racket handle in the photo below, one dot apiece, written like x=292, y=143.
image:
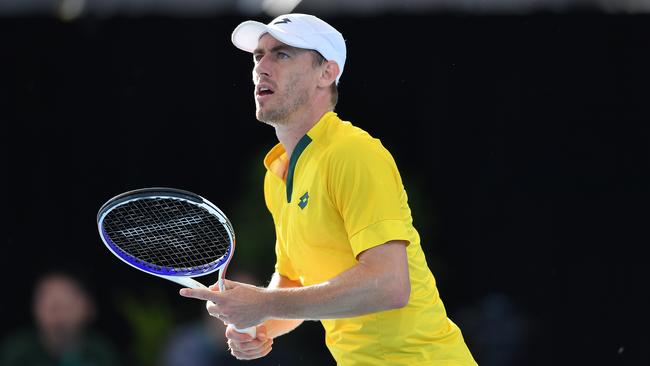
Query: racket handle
x=252, y=331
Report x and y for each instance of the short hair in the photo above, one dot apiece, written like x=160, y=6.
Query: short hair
x=318, y=60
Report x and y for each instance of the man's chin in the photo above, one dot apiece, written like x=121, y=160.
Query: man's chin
x=270, y=118
x=262, y=118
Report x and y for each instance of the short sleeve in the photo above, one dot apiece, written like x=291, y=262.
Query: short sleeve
x=365, y=186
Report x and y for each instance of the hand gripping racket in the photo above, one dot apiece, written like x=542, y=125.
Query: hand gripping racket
x=169, y=233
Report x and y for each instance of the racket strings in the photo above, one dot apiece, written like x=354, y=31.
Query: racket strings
x=165, y=232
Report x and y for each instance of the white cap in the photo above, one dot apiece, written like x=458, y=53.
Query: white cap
x=297, y=30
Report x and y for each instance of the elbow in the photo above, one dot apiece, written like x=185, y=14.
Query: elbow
x=399, y=295
x=397, y=290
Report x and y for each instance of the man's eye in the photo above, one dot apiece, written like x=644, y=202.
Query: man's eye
x=257, y=58
x=282, y=55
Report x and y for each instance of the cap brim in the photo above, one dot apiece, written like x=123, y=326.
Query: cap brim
x=247, y=34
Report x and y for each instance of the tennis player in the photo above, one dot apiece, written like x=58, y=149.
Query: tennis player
x=347, y=252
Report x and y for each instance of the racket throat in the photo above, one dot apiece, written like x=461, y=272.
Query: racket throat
x=184, y=281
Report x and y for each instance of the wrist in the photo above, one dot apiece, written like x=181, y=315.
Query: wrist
x=270, y=303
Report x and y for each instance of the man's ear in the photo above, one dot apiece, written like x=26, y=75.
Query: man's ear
x=329, y=73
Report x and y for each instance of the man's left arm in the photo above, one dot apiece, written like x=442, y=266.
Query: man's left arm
x=378, y=282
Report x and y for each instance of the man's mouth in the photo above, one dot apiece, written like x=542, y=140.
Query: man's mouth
x=264, y=90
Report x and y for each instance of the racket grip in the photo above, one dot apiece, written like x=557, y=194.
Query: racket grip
x=252, y=331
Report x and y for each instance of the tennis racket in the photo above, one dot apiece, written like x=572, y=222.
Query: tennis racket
x=169, y=233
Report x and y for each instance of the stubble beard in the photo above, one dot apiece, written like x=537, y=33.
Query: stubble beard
x=280, y=116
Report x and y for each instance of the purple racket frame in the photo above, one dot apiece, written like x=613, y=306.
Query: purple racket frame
x=182, y=277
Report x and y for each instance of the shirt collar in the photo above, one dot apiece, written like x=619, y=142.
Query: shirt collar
x=276, y=159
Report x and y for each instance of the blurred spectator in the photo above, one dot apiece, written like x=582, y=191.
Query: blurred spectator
x=62, y=311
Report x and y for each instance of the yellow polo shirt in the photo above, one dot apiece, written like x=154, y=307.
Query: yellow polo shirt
x=338, y=195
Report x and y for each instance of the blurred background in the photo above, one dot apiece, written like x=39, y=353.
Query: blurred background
x=521, y=130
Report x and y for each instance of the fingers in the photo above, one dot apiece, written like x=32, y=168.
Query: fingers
x=261, y=351
x=249, y=346
x=245, y=347
x=213, y=310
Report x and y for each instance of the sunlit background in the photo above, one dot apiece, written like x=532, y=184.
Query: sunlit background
x=520, y=127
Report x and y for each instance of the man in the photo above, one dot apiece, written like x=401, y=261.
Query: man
x=62, y=311
x=347, y=253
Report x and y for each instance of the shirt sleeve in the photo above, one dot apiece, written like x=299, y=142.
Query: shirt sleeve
x=366, y=188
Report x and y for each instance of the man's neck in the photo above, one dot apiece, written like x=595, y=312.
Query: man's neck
x=290, y=133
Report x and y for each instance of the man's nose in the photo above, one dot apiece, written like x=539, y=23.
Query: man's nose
x=262, y=67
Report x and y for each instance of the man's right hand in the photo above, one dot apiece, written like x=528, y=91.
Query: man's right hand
x=245, y=347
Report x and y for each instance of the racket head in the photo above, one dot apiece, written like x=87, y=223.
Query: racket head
x=167, y=232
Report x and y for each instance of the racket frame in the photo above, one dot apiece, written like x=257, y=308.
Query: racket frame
x=183, y=278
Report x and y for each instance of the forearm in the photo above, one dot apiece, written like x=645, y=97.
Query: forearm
x=370, y=286
x=278, y=327
x=344, y=296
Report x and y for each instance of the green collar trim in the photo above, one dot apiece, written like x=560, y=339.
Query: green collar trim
x=300, y=147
